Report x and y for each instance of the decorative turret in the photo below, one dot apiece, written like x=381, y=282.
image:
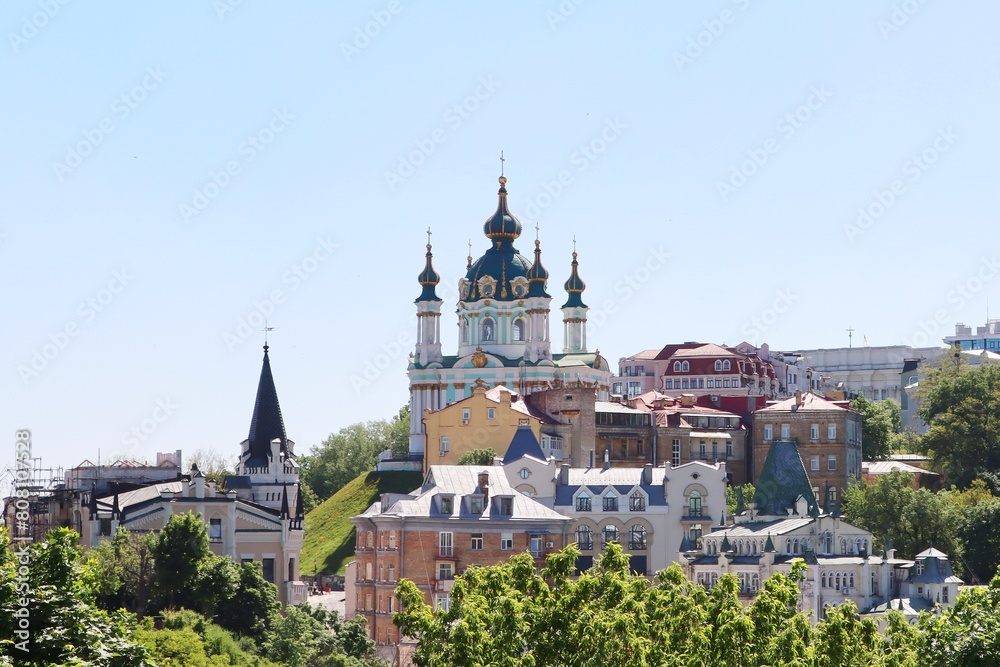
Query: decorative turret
x=502, y=224
x=537, y=275
x=574, y=312
x=538, y=346
x=428, y=313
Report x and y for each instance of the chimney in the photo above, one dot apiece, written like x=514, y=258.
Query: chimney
x=798, y=397
x=607, y=459
x=484, y=486
x=687, y=400
x=564, y=474
x=647, y=473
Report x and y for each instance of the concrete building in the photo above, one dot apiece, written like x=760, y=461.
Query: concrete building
x=874, y=372
x=827, y=433
x=986, y=337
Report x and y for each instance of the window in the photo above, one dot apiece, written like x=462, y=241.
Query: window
x=833, y=494
x=814, y=464
x=476, y=504
x=392, y=539
x=446, y=545
x=729, y=449
x=524, y=473
x=694, y=504
x=701, y=451
x=445, y=444
x=944, y=594
x=831, y=432
x=768, y=432
x=466, y=416
x=269, y=570
x=506, y=541
x=445, y=572
x=831, y=462
x=369, y=539
x=610, y=502
x=725, y=383
x=506, y=506
x=718, y=365
x=609, y=534
x=215, y=530
x=637, y=502
x=447, y=505
x=518, y=330
x=392, y=573
x=677, y=367
x=786, y=431
x=442, y=602
x=725, y=365
x=701, y=383
x=585, y=538
x=684, y=384
x=637, y=537
x=676, y=452
x=489, y=330
x=583, y=502
x=695, y=534
x=369, y=572
x=814, y=431
x=465, y=331
x=535, y=545
x=685, y=366
x=477, y=542
x=718, y=383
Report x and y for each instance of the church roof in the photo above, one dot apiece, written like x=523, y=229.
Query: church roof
x=574, y=287
x=782, y=480
x=502, y=262
x=266, y=424
x=524, y=443
x=428, y=278
x=537, y=275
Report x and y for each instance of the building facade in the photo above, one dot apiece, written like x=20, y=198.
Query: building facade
x=874, y=372
x=504, y=322
x=828, y=435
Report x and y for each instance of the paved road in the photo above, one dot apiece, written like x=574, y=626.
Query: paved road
x=333, y=601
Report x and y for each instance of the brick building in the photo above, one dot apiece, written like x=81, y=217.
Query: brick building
x=828, y=435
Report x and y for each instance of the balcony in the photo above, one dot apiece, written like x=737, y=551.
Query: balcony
x=296, y=592
x=446, y=552
x=698, y=516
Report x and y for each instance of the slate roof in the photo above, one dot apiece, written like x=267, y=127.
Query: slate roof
x=524, y=443
x=462, y=481
x=266, y=424
x=782, y=480
x=761, y=528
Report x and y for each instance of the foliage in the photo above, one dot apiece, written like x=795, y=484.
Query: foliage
x=478, y=457
x=187, y=638
x=961, y=406
x=121, y=571
x=512, y=615
x=966, y=634
x=213, y=465
x=181, y=547
x=353, y=450
x=979, y=532
x=879, y=421
x=312, y=637
x=912, y=519
x=329, y=537
x=733, y=494
x=65, y=626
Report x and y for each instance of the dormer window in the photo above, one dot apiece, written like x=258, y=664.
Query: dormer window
x=583, y=503
x=725, y=365
x=476, y=504
x=685, y=366
x=505, y=506
x=919, y=567
x=677, y=367
x=447, y=505
x=718, y=365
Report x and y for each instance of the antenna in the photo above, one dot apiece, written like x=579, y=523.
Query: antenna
x=267, y=328
x=850, y=337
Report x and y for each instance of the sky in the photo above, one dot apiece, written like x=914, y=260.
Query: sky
x=173, y=174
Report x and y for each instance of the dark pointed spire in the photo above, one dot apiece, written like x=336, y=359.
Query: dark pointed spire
x=92, y=502
x=726, y=547
x=428, y=278
x=826, y=497
x=266, y=424
x=284, y=502
x=502, y=225
x=769, y=545
x=686, y=544
x=116, y=513
x=299, y=514
x=575, y=286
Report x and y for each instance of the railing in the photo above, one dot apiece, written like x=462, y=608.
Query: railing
x=446, y=552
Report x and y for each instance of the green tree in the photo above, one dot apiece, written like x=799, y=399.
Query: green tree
x=966, y=634
x=979, y=533
x=251, y=607
x=308, y=636
x=733, y=497
x=961, y=406
x=879, y=420
x=181, y=549
x=477, y=457
x=913, y=519
x=122, y=571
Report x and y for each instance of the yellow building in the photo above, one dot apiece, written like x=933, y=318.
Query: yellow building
x=486, y=420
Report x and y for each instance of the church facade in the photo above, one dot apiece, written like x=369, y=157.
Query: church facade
x=504, y=319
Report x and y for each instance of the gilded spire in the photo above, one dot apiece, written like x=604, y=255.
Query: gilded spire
x=502, y=224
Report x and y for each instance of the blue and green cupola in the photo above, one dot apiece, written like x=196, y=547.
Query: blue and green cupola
x=428, y=279
x=537, y=275
x=574, y=287
x=501, y=274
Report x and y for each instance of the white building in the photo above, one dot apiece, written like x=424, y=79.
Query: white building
x=872, y=371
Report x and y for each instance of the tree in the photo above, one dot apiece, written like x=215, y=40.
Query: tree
x=213, y=465
x=966, y=634
x=913, y=519
x=961, y=406
x=979, y=532
x=122, y=571
x=181, y=548
x=733, y=498
x=477, y=457
x=879, y=421
x=351, y=451
x=307, y=636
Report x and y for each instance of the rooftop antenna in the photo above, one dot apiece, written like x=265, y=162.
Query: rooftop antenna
x=267, y=328
x=850, y=337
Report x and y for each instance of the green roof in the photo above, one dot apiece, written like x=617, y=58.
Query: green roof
x=782, y=481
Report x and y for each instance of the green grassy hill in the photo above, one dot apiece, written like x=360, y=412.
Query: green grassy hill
x=329, y=538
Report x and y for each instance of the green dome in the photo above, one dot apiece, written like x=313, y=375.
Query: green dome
x=502, y=262
x=502, y=224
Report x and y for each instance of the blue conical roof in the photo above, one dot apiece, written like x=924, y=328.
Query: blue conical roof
x=429, y=279
x=266, y=424
x=575, y=286
x=524, y=443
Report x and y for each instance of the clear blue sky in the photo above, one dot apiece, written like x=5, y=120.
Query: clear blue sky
x=117, y=115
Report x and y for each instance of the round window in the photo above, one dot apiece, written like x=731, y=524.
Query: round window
x=487, y=289
x=524, y=473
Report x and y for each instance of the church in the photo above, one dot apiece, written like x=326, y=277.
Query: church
x=504, y=322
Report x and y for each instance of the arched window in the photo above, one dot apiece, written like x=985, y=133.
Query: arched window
x=585, y=538
x=677, y=367
x=392, y=539
x=852, y=580
x=843, y=547
x=465, y=330
x=368, y=571
x=583, y=502
x=694, y=504
x=610, y=502
x=609, y=534
x=369, y=539
x=838, y=582
x=518, y=330
x=489, y=330
x=828, y=543
x=725, y=365
x=874, y=584
x=824, y=580
x=865, y=546
x=718, y=365
x=637, y=537
x=685, y=366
